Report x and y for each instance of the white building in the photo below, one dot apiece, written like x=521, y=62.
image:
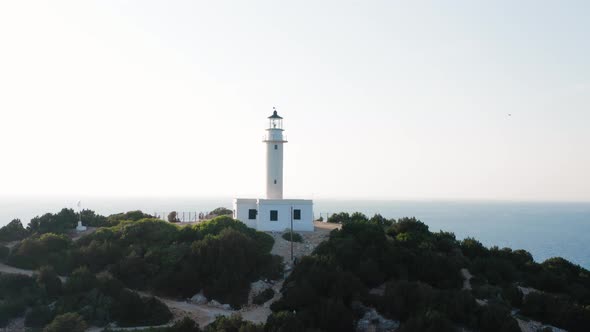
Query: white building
x=274, y=213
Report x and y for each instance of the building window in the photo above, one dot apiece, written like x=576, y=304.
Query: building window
x=274, y=215
x=252, y=214
x=297, y=214
x=276, y=147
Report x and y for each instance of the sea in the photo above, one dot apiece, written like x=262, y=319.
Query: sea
x=545, y=229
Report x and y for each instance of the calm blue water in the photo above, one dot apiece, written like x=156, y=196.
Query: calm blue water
x=544, y=229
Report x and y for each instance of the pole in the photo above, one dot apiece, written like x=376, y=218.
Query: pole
x=291, y=233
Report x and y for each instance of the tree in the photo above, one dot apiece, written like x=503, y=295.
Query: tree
x=49, y=281
x=90, y=218
x=39, y=316
x=473, y=248
x=80, y=281
x=431, y=321
x=381, y=221
x=13, y=231
x=71, y=322
x=339, y=218
x=221, y=211
x=63, y=221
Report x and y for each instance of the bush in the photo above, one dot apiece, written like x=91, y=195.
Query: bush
x=137, y=215
x=184, y=325
x=90, y=218
x=49, y=281
x=473, y=248
x=431, y=321
x=62, y=222
x=233, y=324
x=80, y=281
x=173, y=217
x=513, y=296
x=70, y=322
x=39, y=316
x=263, y=296
x=11, y=309
x=221, y=211
x=295, y=236
x=497, y=318
x=133, y=310
x=283, y=321
x=34, y=252
x=4, y=252
x=407, y=225
x=556, y=310
x=381, y=221
x=339, y=218
x=13, y=231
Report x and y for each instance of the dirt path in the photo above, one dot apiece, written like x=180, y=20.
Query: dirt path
x=15, y=270
x=466, y=278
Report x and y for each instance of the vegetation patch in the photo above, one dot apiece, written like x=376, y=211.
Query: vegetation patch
x=294, y=236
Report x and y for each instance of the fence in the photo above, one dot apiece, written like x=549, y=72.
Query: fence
x=182, y=216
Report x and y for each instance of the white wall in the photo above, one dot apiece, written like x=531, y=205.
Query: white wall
x=284, y=215
x=283, y=206
x=241, y=207
x=274, y=169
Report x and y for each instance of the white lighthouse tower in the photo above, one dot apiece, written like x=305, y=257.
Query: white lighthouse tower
x=274, y=156
x=274, y=213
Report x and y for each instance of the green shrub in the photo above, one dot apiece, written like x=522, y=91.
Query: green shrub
x=283, y=321
x=381, y=221
x=407, y=225
x=39, y=316
x=71, y=322
x=221, y=211
x=115, y=219
x=556, y=310
x=184, y=325
x=34, y=252
x=295, y=236
x=497, y=318
x=58, y=223
x=11, y=309
x=130, y=309
x=80, y=281
x=4, y=252
x=49, y=281
x=13, y=231
x=473, y=248
x=430, y=321
x=233, y=324
x=173, y=217
x=513, y=296
x=339, y=218
x=90, y=218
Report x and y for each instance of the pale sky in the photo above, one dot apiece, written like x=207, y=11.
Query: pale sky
x=381, y=99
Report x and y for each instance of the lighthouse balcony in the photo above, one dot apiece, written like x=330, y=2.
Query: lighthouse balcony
x=272, y=137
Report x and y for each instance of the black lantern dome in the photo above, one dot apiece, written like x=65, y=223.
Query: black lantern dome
x=275, y=120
